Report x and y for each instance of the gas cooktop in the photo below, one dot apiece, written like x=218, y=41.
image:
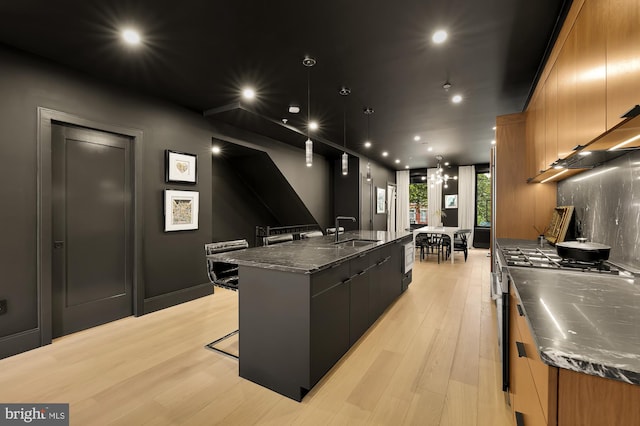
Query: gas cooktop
x=548, y=258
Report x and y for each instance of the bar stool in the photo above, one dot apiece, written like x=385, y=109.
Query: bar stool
x=223, y=275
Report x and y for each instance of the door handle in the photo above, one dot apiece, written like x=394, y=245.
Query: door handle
x=58, y=244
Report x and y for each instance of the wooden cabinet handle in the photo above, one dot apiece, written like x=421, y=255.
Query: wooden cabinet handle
x=520, y=311
x=522, y=352
x=519, y=419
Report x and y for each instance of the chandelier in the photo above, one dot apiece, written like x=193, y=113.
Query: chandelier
x=439, y=177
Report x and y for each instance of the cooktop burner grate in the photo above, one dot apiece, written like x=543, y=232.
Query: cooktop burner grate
x=548, y=258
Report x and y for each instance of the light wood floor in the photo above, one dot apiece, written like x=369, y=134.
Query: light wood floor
x=431, y=359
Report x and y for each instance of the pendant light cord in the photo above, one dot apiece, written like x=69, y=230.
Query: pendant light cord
x=308, y=102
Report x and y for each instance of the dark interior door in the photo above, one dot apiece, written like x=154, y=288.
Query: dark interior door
x=92, y=235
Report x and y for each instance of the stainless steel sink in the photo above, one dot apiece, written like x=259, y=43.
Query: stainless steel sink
x=356, y=243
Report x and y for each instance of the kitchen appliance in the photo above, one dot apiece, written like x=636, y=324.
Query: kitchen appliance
x=549, y=259
x=499, y=280
x=500, y=293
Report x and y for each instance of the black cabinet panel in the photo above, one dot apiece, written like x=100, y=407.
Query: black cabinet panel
x=329, y=328
x=359, y=320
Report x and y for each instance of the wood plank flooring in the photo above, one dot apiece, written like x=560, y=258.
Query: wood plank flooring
x=431, y=359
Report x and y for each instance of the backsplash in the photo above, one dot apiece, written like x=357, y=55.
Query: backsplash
x=607, y=206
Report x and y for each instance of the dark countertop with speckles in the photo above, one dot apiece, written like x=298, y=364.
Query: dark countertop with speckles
x=308, y=255
x=585, y=322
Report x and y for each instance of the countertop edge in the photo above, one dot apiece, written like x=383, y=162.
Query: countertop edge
x=231, y=257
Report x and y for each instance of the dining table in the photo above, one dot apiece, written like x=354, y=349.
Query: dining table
x=443, y=230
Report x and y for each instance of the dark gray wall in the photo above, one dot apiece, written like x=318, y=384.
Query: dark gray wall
x=346, y=189
x=235, y=210
x=249, y=190
x=173, y=262
x=452, y=214
x=380, y=176
x=606, y=201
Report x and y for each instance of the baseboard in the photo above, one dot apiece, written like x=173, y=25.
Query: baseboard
x=156, y=303
x=19, y=342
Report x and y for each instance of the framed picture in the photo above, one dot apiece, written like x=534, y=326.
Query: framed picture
x=180, y=167
x=180, y=210
x=451, y=201
x=381, y=200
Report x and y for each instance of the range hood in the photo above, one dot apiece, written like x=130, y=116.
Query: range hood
x=615, y=142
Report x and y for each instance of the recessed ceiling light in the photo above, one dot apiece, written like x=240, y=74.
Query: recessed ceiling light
x=385, y=153
x=367, y=144
x=429, y=149
x=416, y=138
x=446, y=163
x=216, y=149
x=406, y=167
x=131, y=36
x=313, y=125
x=397, y=161
x=494, y=127
x=294, y=109
x=439, y=36
x=248, y=93
x=456, y=99
x=493, y=142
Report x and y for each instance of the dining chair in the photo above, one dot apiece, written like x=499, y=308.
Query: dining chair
x=460, y=241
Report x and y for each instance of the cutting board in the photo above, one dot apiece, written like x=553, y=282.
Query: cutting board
x=559, y=224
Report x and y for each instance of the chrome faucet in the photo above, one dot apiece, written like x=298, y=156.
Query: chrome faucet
x=338, y=219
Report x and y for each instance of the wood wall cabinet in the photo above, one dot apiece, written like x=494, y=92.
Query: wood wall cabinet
x=551, y=118
x=591, y=70
x=539, y=133
x=623, y=59
x=591, y=78
x=566, y=68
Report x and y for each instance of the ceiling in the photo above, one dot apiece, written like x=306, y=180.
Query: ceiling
x=200, y=54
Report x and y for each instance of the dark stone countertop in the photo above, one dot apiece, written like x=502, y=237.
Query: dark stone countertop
x=307, y=255
x=585, y=322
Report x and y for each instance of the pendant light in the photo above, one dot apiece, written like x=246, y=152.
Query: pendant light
x=308, y=145
x=345, y=91
x=368, y=111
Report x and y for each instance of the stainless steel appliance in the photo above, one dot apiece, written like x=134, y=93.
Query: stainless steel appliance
x=548, y=258
x=500, y=293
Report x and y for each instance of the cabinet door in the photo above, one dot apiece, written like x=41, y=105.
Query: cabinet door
x=526, y=403
x=551, y=117
x=539, y=123
x=359, y=320
x=591, y=70
x=329, y=323
x=359, y=306
x=623, y=54
x=567, y=96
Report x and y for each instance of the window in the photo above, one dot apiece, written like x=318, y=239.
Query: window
x=418, y=203
x=483, y=197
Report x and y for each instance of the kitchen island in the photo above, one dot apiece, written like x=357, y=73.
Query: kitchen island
x=575, y=343
x=304, y=303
